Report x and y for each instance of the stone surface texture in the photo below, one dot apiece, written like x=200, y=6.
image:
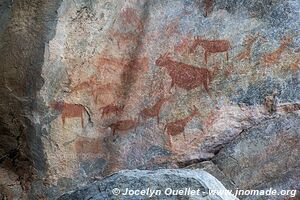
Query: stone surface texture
x=159, y=180
x=266, y=156
x=89, y=88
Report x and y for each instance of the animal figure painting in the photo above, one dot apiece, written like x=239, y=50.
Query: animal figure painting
x=154, y=110
x=70, y=111
x=177, y=127
x=183, y=75
x=111, y=108
x=273, y=58
x=211, y=47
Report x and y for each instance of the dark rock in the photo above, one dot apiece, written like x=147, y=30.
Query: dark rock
x=93, y=167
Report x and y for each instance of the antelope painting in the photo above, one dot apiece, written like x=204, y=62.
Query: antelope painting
x=154, y=110
x=248, y=44
x=94, y=87
x=273, y=58
x=183, y=75
x=177, y=127
x=111, y=108
x=70, y=111
x=211, y=47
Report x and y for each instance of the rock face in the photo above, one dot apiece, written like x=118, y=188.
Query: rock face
x=162, y=184
x=25, y=28
x=266, y=156
x=213, y=169
x=89, y=88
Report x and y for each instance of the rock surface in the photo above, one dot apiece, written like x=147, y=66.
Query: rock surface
x=89, y=88
x=213, y=169
x=265, y=156
x=166, y=182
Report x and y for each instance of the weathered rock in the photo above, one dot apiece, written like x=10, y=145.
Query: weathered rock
x=265, y=156
x=25, y=28
x=159, y=180
x=213, y=169
x=287, y=181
